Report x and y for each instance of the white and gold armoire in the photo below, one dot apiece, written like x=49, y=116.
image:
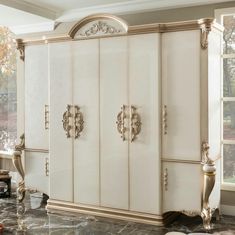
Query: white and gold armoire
x=124, y=116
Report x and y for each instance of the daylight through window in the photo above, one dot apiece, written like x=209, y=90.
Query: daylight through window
x=229, y=99
x=8, y=104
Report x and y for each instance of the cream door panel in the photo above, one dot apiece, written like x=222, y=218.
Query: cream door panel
x=86, y=96
x=36, y=166
x=145, y=186
x=183, y=189
x=113, y=150
x=181, y=94
x=36, y=96
x=61, y=161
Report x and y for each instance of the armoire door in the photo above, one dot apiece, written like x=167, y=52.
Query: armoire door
x=36, y=96
x=182, y=187
x=61, y=143
x=181, y=95
x=85, y=60
x=36, y=132
x=144, y=97
x=113, y=97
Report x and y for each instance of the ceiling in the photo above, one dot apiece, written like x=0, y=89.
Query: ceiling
x=26, y=16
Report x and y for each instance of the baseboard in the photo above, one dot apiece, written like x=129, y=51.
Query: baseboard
x=227, y=210
x=55, y=206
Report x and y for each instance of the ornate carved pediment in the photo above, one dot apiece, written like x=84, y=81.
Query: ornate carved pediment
x=98, y=26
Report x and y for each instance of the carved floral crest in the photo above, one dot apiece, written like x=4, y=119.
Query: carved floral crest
x=100, y=27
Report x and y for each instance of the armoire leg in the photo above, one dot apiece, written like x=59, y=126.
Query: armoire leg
x=209, y=171
x=17, y=162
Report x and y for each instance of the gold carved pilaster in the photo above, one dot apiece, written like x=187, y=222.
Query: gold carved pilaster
x=209, y=171
x=17, y=162
x=20, y=47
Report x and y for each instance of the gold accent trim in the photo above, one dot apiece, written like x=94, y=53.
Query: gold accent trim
x=121, y=122
x=131, y=30
x=135, y=123
x=20, y=45
x=209, y=171
x=54, y=206
x=78, y=121
x=36, y=150
x=17, y=162
x=67, y=124
x=180, y=161
x=95, y=28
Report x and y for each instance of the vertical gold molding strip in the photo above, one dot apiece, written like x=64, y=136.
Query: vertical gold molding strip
x=73, y=127
x=128, y=137
x=99, y=122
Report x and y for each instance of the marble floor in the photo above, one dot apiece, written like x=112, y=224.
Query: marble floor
x=35, y=220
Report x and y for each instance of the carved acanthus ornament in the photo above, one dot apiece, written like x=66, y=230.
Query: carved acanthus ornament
x=20, y=47
x=205, y=30
x=100, y=27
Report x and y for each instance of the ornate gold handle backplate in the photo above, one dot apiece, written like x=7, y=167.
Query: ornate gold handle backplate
x=121, y=122
x=73, y=120
x=67, y=121
x=78, y=121
x=135, y=123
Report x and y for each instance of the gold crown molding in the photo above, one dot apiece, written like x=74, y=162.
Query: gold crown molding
x=20, y=46
x=98, y=17
x=57, y=206
x=205, y=25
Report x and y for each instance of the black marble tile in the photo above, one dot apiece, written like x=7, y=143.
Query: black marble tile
x=37, y=221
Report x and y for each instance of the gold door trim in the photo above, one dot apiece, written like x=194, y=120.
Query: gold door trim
x=57, y=206
x=36, y=150
x=181, y=161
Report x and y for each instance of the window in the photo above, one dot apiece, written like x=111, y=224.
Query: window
x=8, y=104
x=227, y=18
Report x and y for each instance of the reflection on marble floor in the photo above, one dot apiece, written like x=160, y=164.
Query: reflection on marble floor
x=38, y=222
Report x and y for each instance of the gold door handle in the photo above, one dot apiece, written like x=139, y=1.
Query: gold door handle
x=46, y=113
x=164, y=120
x=135, y=123
x=67, y=120
x=121, y=122
x=165, y=179
x=46, y=166
x=78, y=121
